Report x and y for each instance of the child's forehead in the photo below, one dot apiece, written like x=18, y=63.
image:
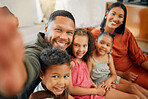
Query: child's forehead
x=59, y=68
x=105, y=37
x=80, y=36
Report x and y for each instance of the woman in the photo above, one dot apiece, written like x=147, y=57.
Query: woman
x=130, y=62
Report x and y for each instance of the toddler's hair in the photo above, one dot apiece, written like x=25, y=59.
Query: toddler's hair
x=83, y=32
x=53, y=56
x=106, y=33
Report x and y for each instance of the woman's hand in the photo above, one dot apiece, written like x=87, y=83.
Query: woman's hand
x=129, y=76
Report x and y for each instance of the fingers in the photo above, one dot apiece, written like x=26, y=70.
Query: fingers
x=103, y=85
x=132, y=77
x=113, y=85
x=94, y=86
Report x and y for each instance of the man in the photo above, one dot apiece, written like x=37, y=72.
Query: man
x=58, y=33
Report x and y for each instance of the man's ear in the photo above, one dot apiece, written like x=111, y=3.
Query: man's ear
x=46, y=27
x=41, y=75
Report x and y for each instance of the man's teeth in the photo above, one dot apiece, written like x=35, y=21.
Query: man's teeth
x=61, y=44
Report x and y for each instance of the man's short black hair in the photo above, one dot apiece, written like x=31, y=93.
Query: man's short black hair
x=61, y=13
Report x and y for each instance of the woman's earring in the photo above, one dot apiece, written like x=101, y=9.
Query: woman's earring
x=105, y=17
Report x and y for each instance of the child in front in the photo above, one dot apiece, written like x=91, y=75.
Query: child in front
x=102, y=70
x=55, y=72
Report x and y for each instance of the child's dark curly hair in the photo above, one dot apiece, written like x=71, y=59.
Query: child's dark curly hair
x=53, y=56
x=83, y=32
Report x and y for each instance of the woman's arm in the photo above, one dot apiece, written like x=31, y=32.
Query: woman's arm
x=145, y=65
x=135, y=53
x=130, y=76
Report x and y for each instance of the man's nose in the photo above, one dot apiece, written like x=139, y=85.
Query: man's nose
x=63, y=35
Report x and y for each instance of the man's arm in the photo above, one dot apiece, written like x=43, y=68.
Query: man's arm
x=13, y=74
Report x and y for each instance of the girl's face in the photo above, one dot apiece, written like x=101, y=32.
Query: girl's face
x=80, y=45
x=114, y=17
x=56, y=78
x=103, y=44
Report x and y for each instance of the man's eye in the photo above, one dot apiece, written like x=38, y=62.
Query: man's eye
x=58, y=30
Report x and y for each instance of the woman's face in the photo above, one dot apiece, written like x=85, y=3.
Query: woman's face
x=115, y=18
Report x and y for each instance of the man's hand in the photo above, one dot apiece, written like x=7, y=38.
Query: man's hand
x=12, y=70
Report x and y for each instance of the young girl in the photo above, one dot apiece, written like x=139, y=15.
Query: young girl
x=80, y=85
x=55, y=72
x=102, y=69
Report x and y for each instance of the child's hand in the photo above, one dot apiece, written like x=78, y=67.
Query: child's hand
x=106, y=85
x=113, y=85
x=100, y=91
x=93, y=85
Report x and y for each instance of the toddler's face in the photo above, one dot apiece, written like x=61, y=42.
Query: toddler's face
x=56, y=78
x=80, y=46
x=104, y=44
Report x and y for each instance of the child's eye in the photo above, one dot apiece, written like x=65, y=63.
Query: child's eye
x=76, y=45
x=55, y=76
x=66, y=76
x=108, y=45
x=101, y=42
x=84, y=45
x=120, y=16
x=69, y=32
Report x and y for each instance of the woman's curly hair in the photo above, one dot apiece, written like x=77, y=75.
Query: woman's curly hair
x=83, y=32
x=52, y=56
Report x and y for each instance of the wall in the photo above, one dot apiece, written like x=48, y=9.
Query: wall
x=25, y=10
x=86, y=12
